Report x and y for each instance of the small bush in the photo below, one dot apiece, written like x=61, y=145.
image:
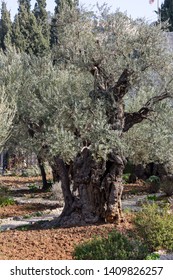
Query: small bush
x=151, y=197
x=33, y=188
x=153, y=256
x=115, y=247
x=24, y=228
x=126, y=177
x=5, y=201
x=31, y=172
x=4, y=198
x=167, y=187
x=155, y=226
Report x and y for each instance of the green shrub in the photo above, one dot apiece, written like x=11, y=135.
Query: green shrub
x=115, y=247
x=153, y=256
x=38, y=214
x=24, y=228
x=34, y=214
x=4, y=197
x=155, y=226
x=33, y=187
x=152, y=197
x=5, y=201
x=126, y=177
x=31, y=172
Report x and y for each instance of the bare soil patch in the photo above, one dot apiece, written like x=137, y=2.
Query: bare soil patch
x=21, y=210
x=52, y=244
x=17, y=180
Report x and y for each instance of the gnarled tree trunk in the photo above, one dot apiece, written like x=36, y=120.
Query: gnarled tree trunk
x=95, y=191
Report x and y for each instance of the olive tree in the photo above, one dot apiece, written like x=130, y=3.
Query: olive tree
x=108, y=90
x=130, y=64
x=7, y=113
x=9, y=73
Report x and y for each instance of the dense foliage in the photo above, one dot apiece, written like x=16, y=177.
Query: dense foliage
x=166, y=12
x=33, y=31
x=155, y=226
x=116, y=246
x=9, y=70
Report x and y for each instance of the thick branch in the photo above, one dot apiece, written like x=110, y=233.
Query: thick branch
x=152, y=101
x=122, y=85
x=133, y=118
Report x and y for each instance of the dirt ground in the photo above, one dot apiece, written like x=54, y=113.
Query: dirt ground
x=51, y=244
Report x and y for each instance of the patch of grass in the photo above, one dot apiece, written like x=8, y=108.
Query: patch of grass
x=33, y=187
x=153, y=256
x=23, y=228
x=5, y=201
x=116, y=246
x=27, y=216
x=152, y=197
x=38, y=214
x=34, y=214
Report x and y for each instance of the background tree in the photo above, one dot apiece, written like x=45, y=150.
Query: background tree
x=27, y=34
x=26, y=4
x=7, y=113
x=9, y=88
x=5, y=27
x=60, y=4
x=42, y=20
x=166, y=12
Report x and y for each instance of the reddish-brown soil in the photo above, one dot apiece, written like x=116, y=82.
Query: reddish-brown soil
x=51, y=244
x=15, y=180
x=22, y=210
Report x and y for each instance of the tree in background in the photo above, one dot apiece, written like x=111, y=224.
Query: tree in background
x=9, y=89
x=5, y=27
x=54, y=26
x=166, y=12
x=60, y=4
x=7, y=114
x=26, y=3
x=42, y=20
x=27, y=34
